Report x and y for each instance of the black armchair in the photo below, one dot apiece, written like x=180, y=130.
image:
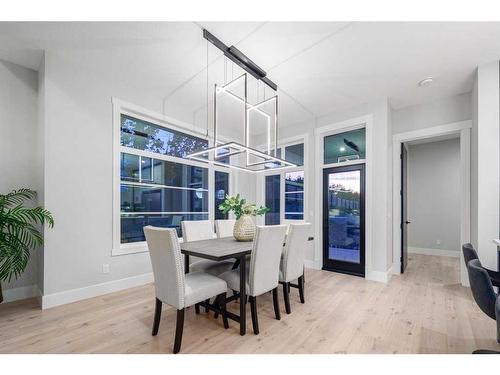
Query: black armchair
x=470, y=253
x=484, y=295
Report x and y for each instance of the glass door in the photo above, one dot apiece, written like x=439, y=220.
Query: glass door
x=343, y=219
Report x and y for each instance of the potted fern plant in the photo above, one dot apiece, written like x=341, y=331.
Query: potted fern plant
x=244, y=228
x=19, y=232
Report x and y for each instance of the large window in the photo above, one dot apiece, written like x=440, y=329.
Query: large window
x=159, y=193
x=143, y=135
x=273, y=199
x=294, y=195
x=293, y=153
x=220, y=191
x=284, y=192
x=344, y=147
x=157, y=185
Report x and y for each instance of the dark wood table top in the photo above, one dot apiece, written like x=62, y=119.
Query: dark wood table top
x=218, y=248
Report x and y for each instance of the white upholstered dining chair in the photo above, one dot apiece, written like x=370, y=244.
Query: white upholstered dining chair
x=198, y=230
x=224, y=228
x=292, y=261
x=287, y=222
x=173, y=286
x=263, y=272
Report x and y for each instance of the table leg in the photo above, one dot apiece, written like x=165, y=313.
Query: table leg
x=186, y=263
x=243, y=296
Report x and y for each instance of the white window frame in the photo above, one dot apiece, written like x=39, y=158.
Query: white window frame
x=122, y=107
x=261, y=186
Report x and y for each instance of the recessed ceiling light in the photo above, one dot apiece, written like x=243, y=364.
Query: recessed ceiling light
x=426, y=81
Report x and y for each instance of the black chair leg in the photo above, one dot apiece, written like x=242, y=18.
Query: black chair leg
x=301, y=289
x=217, y=302
x=276, y=304
x=286, y=296
x=178, y=331
x=253, y=309
x=197, y=308
x=156, y=323
x=222, y=307
x=206, y=308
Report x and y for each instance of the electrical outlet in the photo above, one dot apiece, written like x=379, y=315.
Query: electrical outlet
x=438, y=242
x=105, y=268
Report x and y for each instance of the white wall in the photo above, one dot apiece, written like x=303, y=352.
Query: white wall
x=380, y=194
x=473, y=165
x=78, y=175
x=444, y=111
x=18, y=145
x=434, y=196
x=485, y=163
x=76, y=131
x=40, y=175
x=386, y=122
x=382, y=187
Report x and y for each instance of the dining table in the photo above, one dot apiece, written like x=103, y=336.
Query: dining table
x=219, y=249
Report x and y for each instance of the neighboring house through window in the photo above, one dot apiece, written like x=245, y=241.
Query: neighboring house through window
x=157, y=185
x=284, y=189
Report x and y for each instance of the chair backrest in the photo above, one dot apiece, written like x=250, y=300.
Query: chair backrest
x=265, y=258
x=294, y=251
x=497, y=313
x=469, y=253
x=168, y=269
x=224, y=228
x=287, y=222
x=482, y=288
x=197, y=230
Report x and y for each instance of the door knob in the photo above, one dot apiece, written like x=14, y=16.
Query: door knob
x=407, y=222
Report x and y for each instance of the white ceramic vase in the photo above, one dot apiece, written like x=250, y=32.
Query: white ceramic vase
x=244, y=228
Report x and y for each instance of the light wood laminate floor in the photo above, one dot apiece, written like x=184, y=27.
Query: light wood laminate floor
x=423, y=311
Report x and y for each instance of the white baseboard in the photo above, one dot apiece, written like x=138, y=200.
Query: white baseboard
x=380, y=276
x=73, y=295
x=437, y=252
x=39, y=295
x=23, y=292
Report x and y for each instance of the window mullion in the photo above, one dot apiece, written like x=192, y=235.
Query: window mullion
x=211, y=193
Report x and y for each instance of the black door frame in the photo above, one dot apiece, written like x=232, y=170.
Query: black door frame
x=404, y=213
x=356, y=269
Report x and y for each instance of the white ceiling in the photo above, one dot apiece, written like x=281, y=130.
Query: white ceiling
x=319, y=67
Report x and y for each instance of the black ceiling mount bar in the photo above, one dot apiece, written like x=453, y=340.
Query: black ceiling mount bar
x=240, y=59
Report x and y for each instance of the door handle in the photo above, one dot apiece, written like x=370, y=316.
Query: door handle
x=407, y=222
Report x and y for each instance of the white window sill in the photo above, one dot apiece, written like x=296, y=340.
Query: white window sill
x=132, y=248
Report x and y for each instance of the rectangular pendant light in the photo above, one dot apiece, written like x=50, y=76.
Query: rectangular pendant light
x=255, y=161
